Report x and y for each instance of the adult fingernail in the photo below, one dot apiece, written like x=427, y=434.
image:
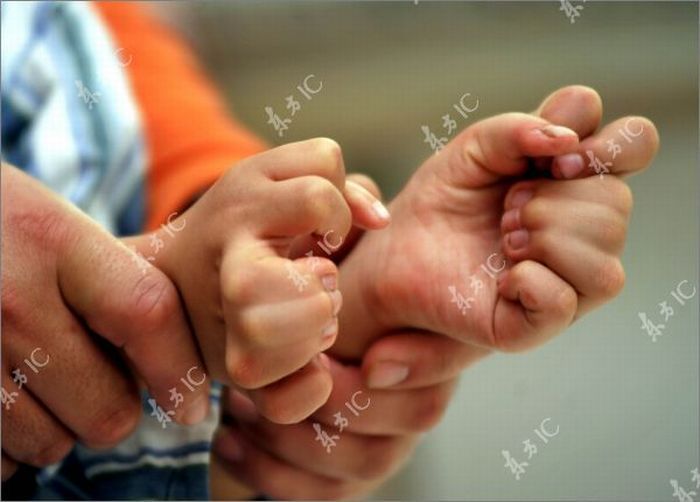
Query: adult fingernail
x=386, y=374
x=555, y=131
x=518, y=239
x=331, y=330
x=381, y=211
x=570, y=165
x=197, y=411
x=330, y=282
x=520, y=198
x=337, y=299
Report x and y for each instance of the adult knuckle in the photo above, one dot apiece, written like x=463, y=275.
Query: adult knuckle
x=52, y=452
x=153, y=300
x=111, y=424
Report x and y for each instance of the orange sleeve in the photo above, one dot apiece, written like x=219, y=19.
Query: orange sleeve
x=190, y=137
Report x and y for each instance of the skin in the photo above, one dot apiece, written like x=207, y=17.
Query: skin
x=448, y=219
x=257, y=329
x=66, y=281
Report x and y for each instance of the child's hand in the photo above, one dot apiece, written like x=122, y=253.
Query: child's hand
x=261, y=318
x=470, y=215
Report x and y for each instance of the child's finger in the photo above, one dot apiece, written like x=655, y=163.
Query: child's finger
x=500, y=146
x=535, y=304
x=368, y=212
x=625, y=146
x=577, y=107
x=306, y=205
x=295, y=397
x=313, y=157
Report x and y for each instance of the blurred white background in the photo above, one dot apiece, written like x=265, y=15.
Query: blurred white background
x=627, y=408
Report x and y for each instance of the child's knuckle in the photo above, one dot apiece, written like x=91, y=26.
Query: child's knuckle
x=609, y=278
x=566, y=302
x=535, y=212
x=237, y=289
x=244, y=370
x=253, y=330
x=330, y=155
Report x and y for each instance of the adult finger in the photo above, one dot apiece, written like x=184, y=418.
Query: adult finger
x=277, y=479
x=30, y=434
x=47, y=350
x=413, y=360
x=135, y=307
x=9, y=467
x=353, y=457
x=577, y=107
x=499, y=147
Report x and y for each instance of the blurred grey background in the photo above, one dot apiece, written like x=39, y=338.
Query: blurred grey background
x=627, y=408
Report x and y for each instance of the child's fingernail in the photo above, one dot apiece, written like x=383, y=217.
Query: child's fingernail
x=511, y=220
x=197, y=411
x=570, y=165
x=381, y=211
x=378, y=208
x=330, y=282
x=555, y=131
x=386, y=374
x=520, y=198
x=518, y=239
x=337, y=299
x=331, y=330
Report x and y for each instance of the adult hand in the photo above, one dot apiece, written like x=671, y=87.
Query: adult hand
x=287, y=462
x=64, y=277
x=470, y=209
